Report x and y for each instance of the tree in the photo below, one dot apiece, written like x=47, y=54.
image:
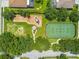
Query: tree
x=42, y=44
x=50, y=13
x=74, y=16
x=23, y=13
x=13, y=45
x=75, y=47
x=39, y=1
x=6, y=56
x=62, y=14
x=5, y=41
x=65, y=45
x=8, y=14
x=62, y=56
x=28, y=14
x=75, y=7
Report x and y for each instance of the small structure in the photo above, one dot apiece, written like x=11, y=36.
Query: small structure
x=63, y=3
x=21, y=3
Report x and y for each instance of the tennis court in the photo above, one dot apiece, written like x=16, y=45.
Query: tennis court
x=60, y=30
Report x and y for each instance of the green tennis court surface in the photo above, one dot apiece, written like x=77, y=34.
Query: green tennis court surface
x=60, y=30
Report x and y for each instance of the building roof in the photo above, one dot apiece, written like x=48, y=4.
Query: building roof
x=21, y=3
x=64, y=3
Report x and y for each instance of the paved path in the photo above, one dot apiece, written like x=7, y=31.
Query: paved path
x=0, y=20
x=36, y=54
x=78, y=29
x=34, y=31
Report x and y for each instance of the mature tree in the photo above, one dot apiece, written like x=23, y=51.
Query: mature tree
x=75, y=47
x=6, y=56
x=65, y=45
x=15, y=45
x=75, y=7
x=74, y=16
x=23, y=13
x=8, y=15
x=5, y=41
x=39, y=1
x=42, y=44
x=62, y=14
x=50, y=14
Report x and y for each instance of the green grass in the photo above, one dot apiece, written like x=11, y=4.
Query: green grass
x=24, y=58
x=27, y=28
x=41, y=31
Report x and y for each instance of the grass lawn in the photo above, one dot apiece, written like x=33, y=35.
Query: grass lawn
x=27, y=28
x=24, y=58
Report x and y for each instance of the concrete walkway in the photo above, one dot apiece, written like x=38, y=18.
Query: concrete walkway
x=34, y=31
x=36, y=54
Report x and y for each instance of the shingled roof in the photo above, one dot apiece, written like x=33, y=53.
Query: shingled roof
x=64, y=3
x=21, y=3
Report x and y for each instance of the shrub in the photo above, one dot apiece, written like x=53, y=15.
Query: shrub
x=42, y=44
x=74, y=16
x=13, y=45
x=50, y=14
x=8, y=15
x=62, y=14
x=62, y=56
x=56, y=47
x=6, y=56
x=39, y=1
